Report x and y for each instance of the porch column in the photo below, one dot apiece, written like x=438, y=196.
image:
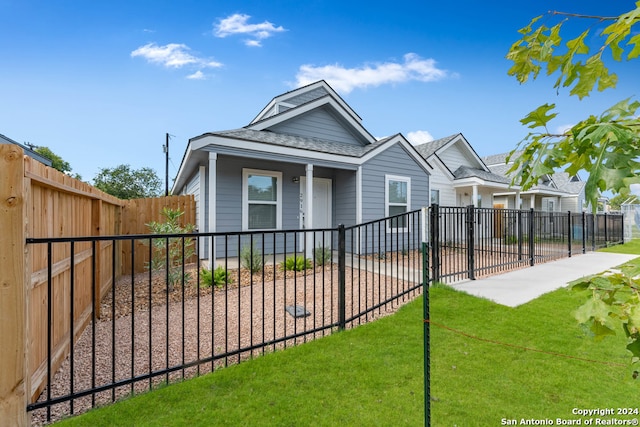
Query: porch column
x=533, y=202
x=474, y=197
x=213, y=158
x=517, y=200
x=309, y=209
x=202, y=197
x=358, y=205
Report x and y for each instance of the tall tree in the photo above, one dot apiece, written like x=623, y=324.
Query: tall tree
x=127, y=183
x=56, y=161
x=606, y=146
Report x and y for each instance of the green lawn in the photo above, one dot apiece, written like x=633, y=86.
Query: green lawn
x=373, y=375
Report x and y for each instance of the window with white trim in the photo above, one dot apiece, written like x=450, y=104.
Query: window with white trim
x=397, y=201
x=435, y=197
x=261, y=200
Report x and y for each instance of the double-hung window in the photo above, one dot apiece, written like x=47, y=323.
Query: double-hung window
x=261, y=200
x=397, y=201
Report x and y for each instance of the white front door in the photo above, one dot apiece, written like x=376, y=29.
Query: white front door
x=321, y=207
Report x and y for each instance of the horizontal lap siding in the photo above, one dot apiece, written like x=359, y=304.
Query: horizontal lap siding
x=393, y=161
x=317, y=124
x=229, y=195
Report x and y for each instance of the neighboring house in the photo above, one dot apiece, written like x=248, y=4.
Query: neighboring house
x=28, y=151
x=459, y=176
x=557, y=192
x=305, y=161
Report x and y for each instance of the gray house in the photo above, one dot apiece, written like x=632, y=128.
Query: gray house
x=305, y=161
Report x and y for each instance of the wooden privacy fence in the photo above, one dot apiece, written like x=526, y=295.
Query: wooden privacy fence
x=38, y=201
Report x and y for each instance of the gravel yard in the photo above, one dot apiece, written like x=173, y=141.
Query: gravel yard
x=141, y=335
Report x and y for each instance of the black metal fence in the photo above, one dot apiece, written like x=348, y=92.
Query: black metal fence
x=179, y=319
x=469, y=242
x=274, y=289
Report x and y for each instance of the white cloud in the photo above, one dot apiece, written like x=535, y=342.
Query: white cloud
x=561, y=130
x=346, y=79
x=172, y=55
x=419, y=137
x=238, y=24
x=198, y=75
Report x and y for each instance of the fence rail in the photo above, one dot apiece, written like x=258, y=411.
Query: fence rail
x=164, y=324
x=468, y=242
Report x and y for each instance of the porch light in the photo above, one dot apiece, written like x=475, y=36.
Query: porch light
x=295, y=179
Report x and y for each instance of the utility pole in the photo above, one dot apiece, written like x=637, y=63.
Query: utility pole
x=165, y=148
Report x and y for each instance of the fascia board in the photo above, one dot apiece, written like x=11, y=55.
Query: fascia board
x=405, y=144
x=260, y=147
x=304, y=108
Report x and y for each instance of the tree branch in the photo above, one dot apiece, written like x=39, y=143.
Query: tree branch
x=578, y=15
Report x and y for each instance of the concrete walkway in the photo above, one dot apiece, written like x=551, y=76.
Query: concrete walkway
x=521, y=286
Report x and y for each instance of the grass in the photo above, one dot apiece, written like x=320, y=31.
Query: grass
x=373, y=375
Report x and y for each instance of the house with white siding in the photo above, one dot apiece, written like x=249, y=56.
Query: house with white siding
x=459, y=176
x=305, y=161
x=557, y=192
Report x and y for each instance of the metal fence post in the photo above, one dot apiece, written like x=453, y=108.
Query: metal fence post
x=341, y=277
x=532, y=245
x=519, y=216
x=435, y=242
x=606, y=233
x=584, y=233
x=593, y=232
x=471, y=217
x=426, y=318
x=569, y=233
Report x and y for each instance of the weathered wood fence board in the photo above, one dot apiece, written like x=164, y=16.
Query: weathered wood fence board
x=38, y=201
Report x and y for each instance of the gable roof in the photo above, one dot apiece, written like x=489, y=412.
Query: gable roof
x=302, y=95
x=557, y=181
x=295, y=103
x=436, y=147
x=315, y=125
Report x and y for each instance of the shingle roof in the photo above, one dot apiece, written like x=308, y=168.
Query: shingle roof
x=467, y=172
x=304, y=143
x=426, y=149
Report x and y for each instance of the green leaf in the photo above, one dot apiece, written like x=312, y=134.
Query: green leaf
x=635, y=52
x=634, y=347
x=539, y=116
x=600, y=331
x=593, y=308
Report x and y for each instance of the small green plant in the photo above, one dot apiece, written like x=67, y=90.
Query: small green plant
x=218, y=277
x=382, y=255
x=510, y=239
x=296, y=263
x=170, y=253
x=322, y=255
x=251, y=258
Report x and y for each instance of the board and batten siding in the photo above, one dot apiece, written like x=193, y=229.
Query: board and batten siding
x=318, y=123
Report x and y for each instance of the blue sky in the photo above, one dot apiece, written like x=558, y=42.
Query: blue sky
x=101, y=82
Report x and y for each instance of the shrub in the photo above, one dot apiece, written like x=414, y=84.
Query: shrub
x=251, y=258
x=170, y=253
x=296, y=263
x=322, y=255
x=218, y=277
